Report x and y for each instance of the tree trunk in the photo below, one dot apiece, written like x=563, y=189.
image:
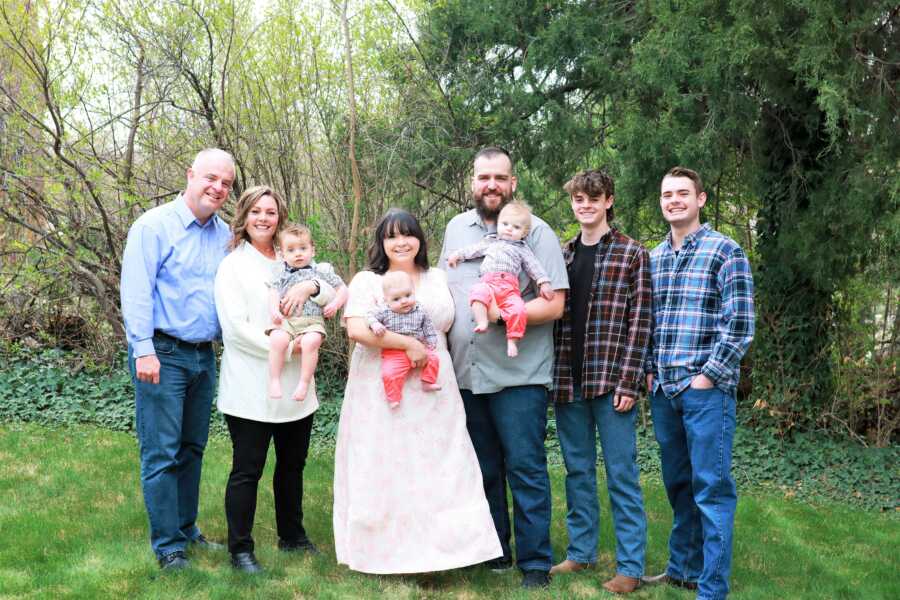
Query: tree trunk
x=354, y=167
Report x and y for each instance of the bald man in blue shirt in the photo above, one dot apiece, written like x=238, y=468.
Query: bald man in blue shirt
x=168, y=270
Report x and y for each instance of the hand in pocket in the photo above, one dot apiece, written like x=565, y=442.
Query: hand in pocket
x=702, y=382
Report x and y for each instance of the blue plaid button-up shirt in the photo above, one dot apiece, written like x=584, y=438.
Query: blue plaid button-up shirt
x=703, y=317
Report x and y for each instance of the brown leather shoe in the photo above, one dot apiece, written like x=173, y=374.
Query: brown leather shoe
x=622, y=584
x=569, y=566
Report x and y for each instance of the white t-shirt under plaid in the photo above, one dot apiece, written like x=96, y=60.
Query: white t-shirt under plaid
x=415, y=323
x=290, y=276
x=505, y=256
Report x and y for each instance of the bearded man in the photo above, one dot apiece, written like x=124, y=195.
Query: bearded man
x=506, y=398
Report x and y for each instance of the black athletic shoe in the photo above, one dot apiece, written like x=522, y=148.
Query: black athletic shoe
x=174, y=561
x=501, y=564
x=533, y=580
x=303, y=546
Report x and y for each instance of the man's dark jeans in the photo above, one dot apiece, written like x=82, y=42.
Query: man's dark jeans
x=695, y=431
x=172, y=429
x=508, y=430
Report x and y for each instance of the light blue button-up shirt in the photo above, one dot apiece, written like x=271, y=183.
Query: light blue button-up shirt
x=168, y=270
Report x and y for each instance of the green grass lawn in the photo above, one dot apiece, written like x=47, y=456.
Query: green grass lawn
x=72, y=524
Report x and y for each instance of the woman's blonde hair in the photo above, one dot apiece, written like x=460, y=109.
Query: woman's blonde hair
x=247, y=201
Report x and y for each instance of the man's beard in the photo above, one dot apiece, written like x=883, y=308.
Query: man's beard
x=490, y=214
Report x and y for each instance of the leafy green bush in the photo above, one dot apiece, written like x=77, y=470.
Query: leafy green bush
x=55, y=388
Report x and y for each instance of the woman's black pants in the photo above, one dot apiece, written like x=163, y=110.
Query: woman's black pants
x=250, y=444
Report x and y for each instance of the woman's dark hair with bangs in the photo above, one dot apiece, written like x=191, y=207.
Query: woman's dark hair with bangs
x=396, y=220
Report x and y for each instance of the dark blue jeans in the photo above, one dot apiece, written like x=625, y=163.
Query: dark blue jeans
x=172, y=429
x=508, y=430
x=695, y=431
x=578, y=425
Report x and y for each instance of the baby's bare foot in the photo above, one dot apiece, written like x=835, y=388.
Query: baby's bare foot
x=431, y=387
x=512, y=349
x=275, y=388
x=480, y=326
x=300, y=392
x=393, y=404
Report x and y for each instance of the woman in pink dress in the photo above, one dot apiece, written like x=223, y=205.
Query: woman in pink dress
x=408, y=496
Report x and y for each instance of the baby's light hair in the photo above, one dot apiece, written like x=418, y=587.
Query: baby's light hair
x=297, y=230
x=392, y=279
x=519, y=208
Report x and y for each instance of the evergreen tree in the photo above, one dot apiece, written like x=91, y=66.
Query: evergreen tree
x=788, y=110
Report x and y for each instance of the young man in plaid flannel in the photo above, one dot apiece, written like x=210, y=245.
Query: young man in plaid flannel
x=600, y=345
x=702, y=325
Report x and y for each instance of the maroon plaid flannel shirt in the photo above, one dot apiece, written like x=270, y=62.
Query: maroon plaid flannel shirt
x=618, y=322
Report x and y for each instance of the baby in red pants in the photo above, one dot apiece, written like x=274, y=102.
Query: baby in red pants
x=405, y=316
x=505, y=255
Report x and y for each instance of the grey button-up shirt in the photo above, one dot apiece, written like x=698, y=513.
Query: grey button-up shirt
x=480, y=359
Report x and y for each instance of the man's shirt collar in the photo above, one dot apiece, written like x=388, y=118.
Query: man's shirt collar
x=690, y=239
x=184, y=212
x=604, y=239
x=187, y=216
x=475, y=219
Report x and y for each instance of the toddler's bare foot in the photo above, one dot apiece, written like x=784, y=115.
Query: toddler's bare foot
x=431, y=387
x=480, y=326
x=300, y=392
x=393, y=404
x=512, y=348
x=275, y=388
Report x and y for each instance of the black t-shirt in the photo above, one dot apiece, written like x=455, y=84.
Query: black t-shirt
x=581, y=284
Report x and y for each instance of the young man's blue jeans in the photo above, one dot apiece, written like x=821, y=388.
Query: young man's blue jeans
x=508, y=430
x=695, y=431
x=578, y=424
x=172, y=429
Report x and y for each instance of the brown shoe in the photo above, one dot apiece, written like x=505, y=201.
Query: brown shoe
x=622, y=584
x=569, y=566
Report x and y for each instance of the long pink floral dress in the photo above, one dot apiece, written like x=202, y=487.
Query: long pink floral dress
x=408, y=496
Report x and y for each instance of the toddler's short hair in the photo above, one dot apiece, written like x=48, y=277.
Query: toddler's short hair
x=518, y=208
x=297, y=230
x=392, y=279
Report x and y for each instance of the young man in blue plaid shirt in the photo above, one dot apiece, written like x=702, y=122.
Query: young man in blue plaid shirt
x=703, y=322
